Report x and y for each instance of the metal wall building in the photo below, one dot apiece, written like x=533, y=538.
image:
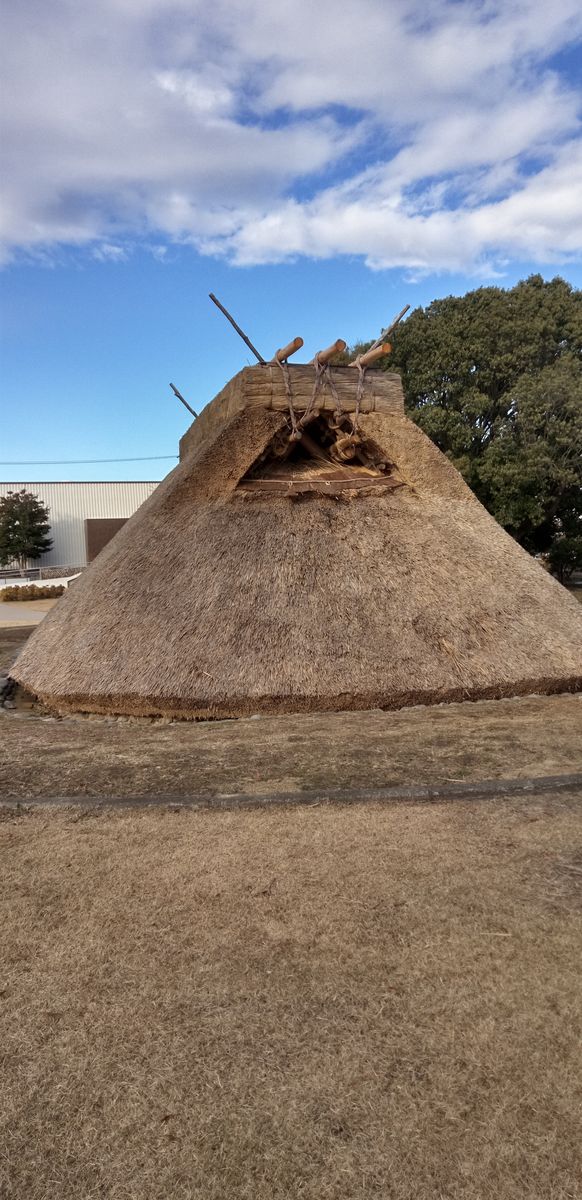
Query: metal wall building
x=74, y=506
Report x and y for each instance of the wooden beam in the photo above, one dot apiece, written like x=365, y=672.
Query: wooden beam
x=286, y=352
x=290, y=487
x=324, y=356
x=371, y=356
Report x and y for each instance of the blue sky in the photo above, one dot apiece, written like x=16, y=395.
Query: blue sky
x=315, y=166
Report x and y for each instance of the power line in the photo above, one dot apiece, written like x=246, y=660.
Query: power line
x=62, y=462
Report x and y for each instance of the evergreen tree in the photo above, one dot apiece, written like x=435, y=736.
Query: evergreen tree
x=24, y=528
x=461, y=357
x=495, y=379
x=531, y=470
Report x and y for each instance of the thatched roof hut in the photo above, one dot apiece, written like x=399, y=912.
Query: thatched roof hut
x=326, y=570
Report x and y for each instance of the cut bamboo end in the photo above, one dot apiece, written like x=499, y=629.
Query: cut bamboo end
x=287, y=351
x=371, y=356
x=323, y=356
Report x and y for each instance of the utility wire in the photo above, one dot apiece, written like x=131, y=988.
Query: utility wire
x=61, y=462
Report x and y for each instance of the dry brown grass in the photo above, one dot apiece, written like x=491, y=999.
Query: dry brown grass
x=311, y=1003
x=538, y=735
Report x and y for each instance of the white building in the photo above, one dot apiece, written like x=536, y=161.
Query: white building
x=83, y=516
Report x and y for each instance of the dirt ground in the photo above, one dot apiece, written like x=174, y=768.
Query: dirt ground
x=316, y=1002
x=12, y=638
x=521, y=738
x=499, y=739
x=326, y=1002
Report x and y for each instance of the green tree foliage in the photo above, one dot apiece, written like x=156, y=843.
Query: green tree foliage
x=565, y=557
x=24, y=528
x=495, y=379
x=531, y=470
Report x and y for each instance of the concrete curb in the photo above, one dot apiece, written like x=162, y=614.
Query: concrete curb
x=439, y=793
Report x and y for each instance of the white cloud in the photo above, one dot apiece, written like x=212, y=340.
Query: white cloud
x=208, y=99
x=224, y=125
x=540, y=220
x=108, y=252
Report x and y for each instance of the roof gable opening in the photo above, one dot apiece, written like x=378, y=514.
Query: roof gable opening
x=328, y=458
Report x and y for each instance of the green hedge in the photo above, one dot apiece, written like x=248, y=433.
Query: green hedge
x=32, y=591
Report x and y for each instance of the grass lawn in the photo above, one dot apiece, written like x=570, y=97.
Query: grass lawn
x=316, y=1003
x=326, y=1002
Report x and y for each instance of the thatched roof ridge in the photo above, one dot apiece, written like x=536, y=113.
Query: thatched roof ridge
x=263, y=387
x=215, y=601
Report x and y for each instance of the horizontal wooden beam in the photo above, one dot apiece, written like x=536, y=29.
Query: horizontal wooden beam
x=332, y=487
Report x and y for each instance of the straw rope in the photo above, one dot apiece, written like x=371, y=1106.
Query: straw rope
x=320, y=370
x=295, y=435
x=322, y=377
x=359, y=397
x=338, y=405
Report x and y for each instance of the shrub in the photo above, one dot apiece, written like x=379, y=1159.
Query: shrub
x=32, y=591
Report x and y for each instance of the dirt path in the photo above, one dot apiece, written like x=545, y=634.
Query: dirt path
x=23, y=613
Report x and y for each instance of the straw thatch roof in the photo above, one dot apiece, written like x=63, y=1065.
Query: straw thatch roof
x=264, y=577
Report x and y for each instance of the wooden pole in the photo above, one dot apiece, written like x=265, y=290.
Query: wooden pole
x=286, y=352
x=324, y=356
x=184, y=402
x=389, y=328
x=371, y=356
x=238, y=328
